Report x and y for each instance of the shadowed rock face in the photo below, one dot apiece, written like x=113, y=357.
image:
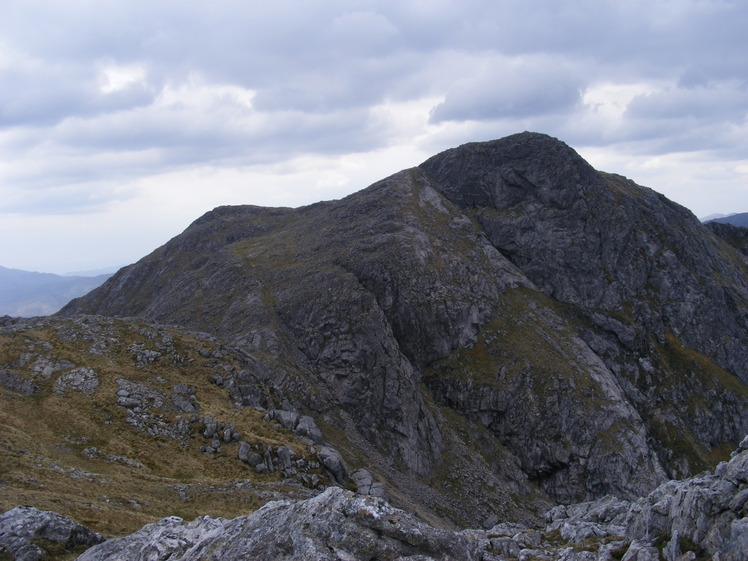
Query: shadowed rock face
x=590, y=334
x=600, y=241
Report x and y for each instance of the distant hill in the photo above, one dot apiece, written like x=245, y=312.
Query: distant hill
x=27, y=294
x=740, y=219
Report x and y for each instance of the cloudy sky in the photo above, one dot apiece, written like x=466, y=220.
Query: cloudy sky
x=122, y=121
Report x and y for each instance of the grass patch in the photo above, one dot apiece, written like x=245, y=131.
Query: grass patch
x=132, y=477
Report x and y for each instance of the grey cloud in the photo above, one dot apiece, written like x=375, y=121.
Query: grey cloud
x=512, y=89
x=317, y=71
x=726, y=100
x=42, y=94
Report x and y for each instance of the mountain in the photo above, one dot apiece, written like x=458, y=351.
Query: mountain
x=739, y=219
x=712, y=217
x=497, y=329
x=26, y=294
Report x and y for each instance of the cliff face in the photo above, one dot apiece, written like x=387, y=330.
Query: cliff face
x=500, y=323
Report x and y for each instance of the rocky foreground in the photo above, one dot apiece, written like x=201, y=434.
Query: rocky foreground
x=704, y=517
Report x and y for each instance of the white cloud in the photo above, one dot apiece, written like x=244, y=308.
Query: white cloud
x=512, y=87
x=118, y=77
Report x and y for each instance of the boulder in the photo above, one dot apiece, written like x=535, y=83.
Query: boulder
x=25, y=530
x=334, y=464
x=366, y=485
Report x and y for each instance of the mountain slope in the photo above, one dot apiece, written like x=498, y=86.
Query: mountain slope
x=120, y=423
x=26, y=294
x=502, y=317
x=736, y=236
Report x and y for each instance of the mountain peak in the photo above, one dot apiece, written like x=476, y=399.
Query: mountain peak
x=501, y=173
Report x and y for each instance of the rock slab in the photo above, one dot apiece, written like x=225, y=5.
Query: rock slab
x=27, y=533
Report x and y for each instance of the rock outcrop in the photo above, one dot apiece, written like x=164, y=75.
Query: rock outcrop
x=600, y=241
x=333, y=526
x=585, y=335
x=706, y=514
x=705, y=517
x=29, y=534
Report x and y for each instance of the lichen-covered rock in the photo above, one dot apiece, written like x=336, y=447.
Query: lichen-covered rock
x=25, y=532
x=703, y=517
x=710, y=510
x=83, y=380
x=333, y=526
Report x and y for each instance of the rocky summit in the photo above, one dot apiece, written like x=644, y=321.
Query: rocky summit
x=477, y=339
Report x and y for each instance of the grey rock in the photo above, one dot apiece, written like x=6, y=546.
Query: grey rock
x=45, y=367
x=140, y=399
x=228, y=433
x=244, y=452
x=708, y=509
x=638, y=551
x=15, y=382
x=82, y=380
x=131, y=395
x=334, y=525
x=534, y=555
x=183, y=398
x=333, y=463
x=23, y=526
x=553, y=204
x=308, y=428
x=366, y=485
x=284, y=455
x=507, y=547
x=303, y=425
x=287, y=418
x=340, y=525
x=143, y=356
x=268, y=459
x=211, y=427
x=672, y=552
x=737, y=543
x=734, y=235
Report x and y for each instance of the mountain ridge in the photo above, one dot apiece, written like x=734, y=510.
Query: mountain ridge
x=27, y=293
x=505, y=282
x=736, y=219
